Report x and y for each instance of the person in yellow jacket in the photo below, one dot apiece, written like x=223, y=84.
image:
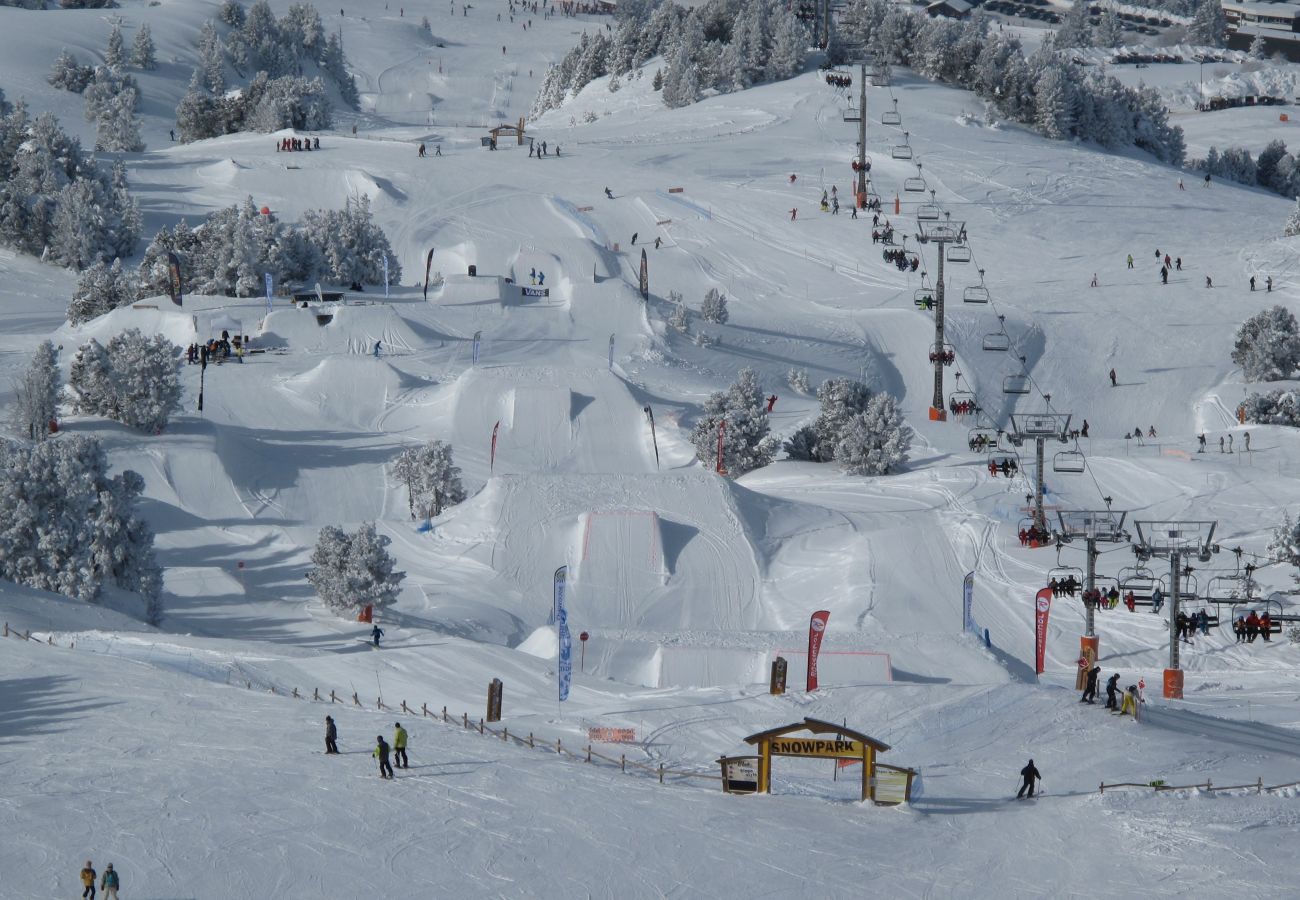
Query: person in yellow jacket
x=399, y=746
x=88, y=881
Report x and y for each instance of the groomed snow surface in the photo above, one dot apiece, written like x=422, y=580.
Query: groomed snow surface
x=164, y=750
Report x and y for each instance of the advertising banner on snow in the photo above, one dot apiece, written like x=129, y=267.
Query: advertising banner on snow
x=564, y=667
x=492, y=458
x=611, y=352
x=645, y=277
x=478, y=340
x=270, y=285
x=428, y=265
x=816, y=629
x=650, y=414
x=385, y=276
x=1042, y=606
x=175, y=288
x=968, y=602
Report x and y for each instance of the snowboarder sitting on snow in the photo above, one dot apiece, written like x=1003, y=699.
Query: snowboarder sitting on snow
x=376, y=633
x=1030, y=775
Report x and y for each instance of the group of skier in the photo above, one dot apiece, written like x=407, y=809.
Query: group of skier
x=382, y=751
x=108, y=883
x=1122, y=704
x=290, y=144
x=1248, y=627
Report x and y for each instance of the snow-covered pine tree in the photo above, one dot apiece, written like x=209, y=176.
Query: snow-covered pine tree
x=842, y=400
x=1209, y=24
x=68, y=74
x=798, y=380
x=212, y=60
x=101, y=289
x=714, y=308
x=115, y=52
x=111, y=103
x=1293, y=224
x=747, y=445
x=1267, y=346
x=36, y=395
x=66, y=526
x=90, y=380
x=875, y=441
x=143, y=52
x=352, y=245
x=146, y=379
x=679, y=319
x=353, y=570
x=790, y=46
x=1074, y=30
x=1286, y=540
x=431, y=477
x=1110, y=30
x=1281, y=407
x=231, y=12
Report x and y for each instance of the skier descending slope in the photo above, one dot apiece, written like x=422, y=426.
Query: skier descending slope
x=376, y=633
x=1030, y=775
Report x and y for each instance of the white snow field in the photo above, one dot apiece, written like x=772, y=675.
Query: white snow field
x=165, y=750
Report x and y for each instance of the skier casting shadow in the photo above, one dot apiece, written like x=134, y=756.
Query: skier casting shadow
x=1030, y=775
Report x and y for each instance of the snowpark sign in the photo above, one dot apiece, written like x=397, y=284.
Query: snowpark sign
x=816, y=747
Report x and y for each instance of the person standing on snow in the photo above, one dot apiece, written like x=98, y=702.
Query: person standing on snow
x=376, y=633
x=1112, y=691
x=609, y=194
x=331, y=736
x=1090, y=689
x=88, y=881
x=1030, y=774
x=1130, y=260
x=381, y=753
x=110, y=883
x=793, y=213
x=399, y=746
x=634, y=236
x=1164, y=275
x=1112, y=378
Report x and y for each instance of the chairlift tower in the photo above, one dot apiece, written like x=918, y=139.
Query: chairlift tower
x=862, y=133
x=1093, y=526
x=940, y=234
x=1039, y=428
x=1176, y=541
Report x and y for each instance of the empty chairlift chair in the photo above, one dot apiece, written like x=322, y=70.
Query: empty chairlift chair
x=879, y=76
x=1069, y=462
x=891, y=117
x=976, y=293
x=998, y=341
x=915, y=185
x=1015, y=384
x=927, y=212
x=903, y=151
x=958, y=253
x=852, y=114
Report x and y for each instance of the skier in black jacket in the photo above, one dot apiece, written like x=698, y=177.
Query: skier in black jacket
x=1030, y=774
x=1112, y=690
x=1090, y=689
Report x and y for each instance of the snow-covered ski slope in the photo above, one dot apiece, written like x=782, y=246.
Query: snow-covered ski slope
x=144, y=747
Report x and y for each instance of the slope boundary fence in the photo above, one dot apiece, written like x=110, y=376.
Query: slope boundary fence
x=236, y=675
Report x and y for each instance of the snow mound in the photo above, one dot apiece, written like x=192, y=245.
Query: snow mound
x=354, y=389
x=377, y=188
x=223, y=171
x=543, y=643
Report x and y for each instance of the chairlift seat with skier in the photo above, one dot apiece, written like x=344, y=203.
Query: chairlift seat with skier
x=944, y=353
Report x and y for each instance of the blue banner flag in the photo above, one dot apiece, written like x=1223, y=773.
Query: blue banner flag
x=564, y=668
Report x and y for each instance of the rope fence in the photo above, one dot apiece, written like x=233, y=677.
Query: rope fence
x=1257, y=786
x=237, y=675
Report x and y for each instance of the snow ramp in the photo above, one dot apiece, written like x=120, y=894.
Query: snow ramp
x=549, y=420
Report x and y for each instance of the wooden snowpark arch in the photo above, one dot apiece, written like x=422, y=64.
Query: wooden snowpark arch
x=847, y=744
